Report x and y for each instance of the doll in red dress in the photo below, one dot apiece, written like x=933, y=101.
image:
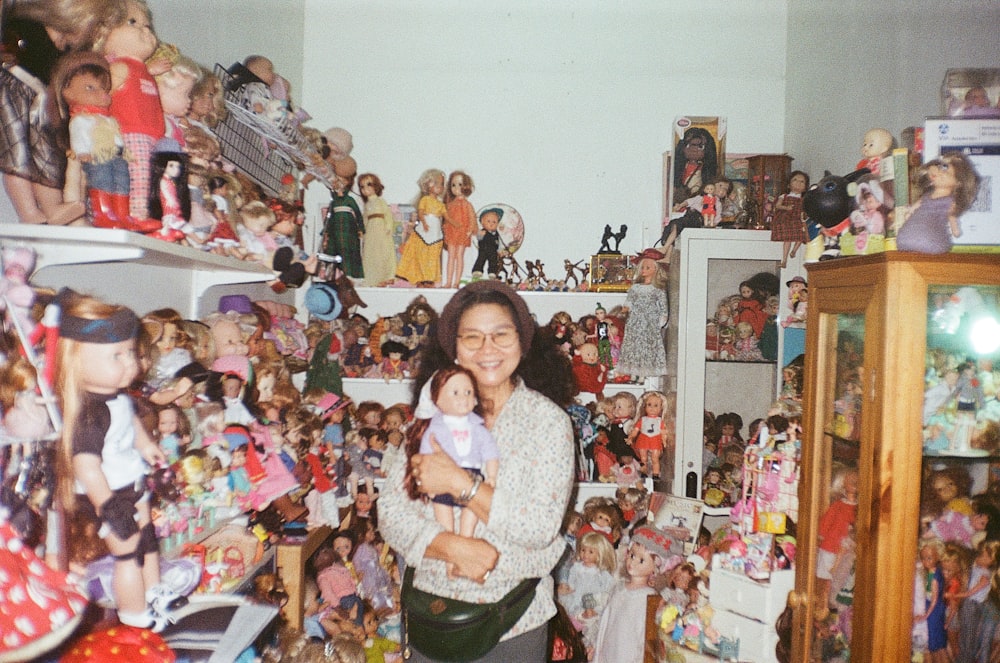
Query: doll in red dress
x=648, y=436
x=590, y=374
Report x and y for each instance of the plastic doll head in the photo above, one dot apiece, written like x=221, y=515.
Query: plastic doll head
x=490, y=219
x=798, y=181
x=588, y=353
x=363, y=502
x=457, y=396
x=393, y=418
x=460, y=185
x=876, y=143
x=431, y=182
x=257, y=217
x=623, y=405
x=744, y=329
x=261, y=67
x=343, y=545
x=652, y=404
x=134, y=37
x=175, y=85
x=369, y=414
x=709, y=189
x=370, y=185
x=168, y=420
x=594, y=549
x=82, y=79
x=930, y=554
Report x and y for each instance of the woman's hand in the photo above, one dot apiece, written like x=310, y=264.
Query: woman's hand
x=471, y=558
x=437, y=474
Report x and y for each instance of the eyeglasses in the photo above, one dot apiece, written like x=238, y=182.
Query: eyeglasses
x=474, y=340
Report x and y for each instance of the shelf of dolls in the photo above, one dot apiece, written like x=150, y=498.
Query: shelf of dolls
x=132, y=269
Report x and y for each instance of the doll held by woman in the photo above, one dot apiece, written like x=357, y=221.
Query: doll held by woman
x=643, y=353
x=446, y=419
x=949, y=184
x=106, y=452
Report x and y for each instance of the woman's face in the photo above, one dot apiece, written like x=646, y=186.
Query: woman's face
x=491, y=364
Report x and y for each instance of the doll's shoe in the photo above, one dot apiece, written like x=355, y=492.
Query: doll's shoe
x=148, y=619
x=119, y=203
x=162, y=599
x=168, y=234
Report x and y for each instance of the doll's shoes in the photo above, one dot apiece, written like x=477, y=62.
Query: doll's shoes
x=39, y=607
x=162, y=599
x=169, y=234
x=148, y=619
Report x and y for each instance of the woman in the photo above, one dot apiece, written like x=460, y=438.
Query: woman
x=487, y=328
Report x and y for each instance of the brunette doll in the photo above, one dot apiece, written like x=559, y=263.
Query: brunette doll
x=750, y=308
x=459, y=225
x=421, y=258
x=643, y=353
x=949, y=186
x=344, y=225
x=170, y=198
x=788, y=225
x=379, y=253
x=649, y=432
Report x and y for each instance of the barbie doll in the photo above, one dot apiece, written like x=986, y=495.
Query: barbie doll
x=379, y=253
x=643, y=353
x=649, y=432
x=789, y=224
x=836, y=525
x=949, y=184
x=421, y=258
x=459, y=225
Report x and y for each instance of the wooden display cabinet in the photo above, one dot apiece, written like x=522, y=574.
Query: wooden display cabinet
x=767, y=178
x=872, y=320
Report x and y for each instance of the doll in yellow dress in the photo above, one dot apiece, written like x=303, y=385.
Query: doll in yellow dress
x=421, y=259
x=379, y=253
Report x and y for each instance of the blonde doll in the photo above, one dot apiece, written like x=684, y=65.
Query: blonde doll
x=421, y=259
x=590, y=580
x=933, y=613
x=643, y=353
x=378, y=255
x=459, y=225
x=648, y=436
x=106, y=452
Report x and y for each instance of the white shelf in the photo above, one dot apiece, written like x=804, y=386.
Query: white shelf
x=129, y=268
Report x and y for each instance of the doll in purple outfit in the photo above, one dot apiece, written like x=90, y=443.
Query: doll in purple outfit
x=445, y=417
x=949, y=186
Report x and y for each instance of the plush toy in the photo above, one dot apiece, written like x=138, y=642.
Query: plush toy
x=829, y=203
x=949, y=185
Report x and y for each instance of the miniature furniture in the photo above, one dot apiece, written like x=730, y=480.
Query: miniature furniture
x=872, y=321
x=767, y=178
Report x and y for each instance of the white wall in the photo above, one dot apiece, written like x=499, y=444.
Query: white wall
x=561, y=109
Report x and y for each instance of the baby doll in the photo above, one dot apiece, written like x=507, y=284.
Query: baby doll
x=788, y=225
x=170, y=197
x=643, y=352
x=459, y=225
x=420, y=261
x=135, y=101
x=17, y=297
x=344, y=224
x=174, y=87
x=835, y=526
x=620, y=632
x=949, y=185
x=590, y=580
x=256, y=219
x=870, y=216
x=648, y=436
x=101, y=468
x=489, y=244
x=378, y=256
x=875, y=146
x=746, y=343
x=82, y=82
x=446, y=419
x=590, y=374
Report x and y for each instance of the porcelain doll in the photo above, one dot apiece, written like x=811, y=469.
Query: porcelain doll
x=648, y=436
x=949, y=185
x=489, y=247
x=135, y=101
x=445, y=419
x=788, y=225
x=378, y=255
x=620, y=635
x=344, y=225
x=97, y=363
x=170, y=198
x=420, y=262
x=459, y=225
x=643, y=353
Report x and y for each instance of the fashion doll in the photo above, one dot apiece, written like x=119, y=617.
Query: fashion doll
x=489, y=243
x=170, y=198
x=835, y=526
x=335, y=576
x=459, y=225
x=750, y=308
x=788, y=225
x=933, y=613
x=421, y=254
x=379, y=253
x=106, y=452
x=135, y=101
x=620, y=632
x=344, y=225
x=949, y=186
x=445, y=418
x=648, y=436
x=643, y=353
x=82, y=84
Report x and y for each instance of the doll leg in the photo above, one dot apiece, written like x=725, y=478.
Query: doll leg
x=795, y=249
x=467, y=522
x=445, y=516
x=785, y=246
x=38, y=204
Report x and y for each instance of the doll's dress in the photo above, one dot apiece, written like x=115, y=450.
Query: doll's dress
x=324, y=367
x=787, y=224
x=463, y=222
x=642, y=351
x=343, y=225
x=620, y=634
x=927, y=230
x=168, y=365
x=936, y=633
x=752, y=311
x=375, y=584
x=650, y=434
x=747, y=349
x=421, y=258
x=378, y=255
x=584, y=580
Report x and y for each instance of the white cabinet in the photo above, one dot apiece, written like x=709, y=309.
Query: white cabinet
x=747, y=610
x=713, y=262
x=137, y=271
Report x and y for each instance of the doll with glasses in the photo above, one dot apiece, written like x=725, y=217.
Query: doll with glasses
x=459, y=225
x=445, y=418
x=949, y=185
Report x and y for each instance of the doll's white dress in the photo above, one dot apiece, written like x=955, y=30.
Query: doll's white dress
x=643, y=353
x=621, y=635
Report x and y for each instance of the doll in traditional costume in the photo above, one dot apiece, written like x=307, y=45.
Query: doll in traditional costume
x=949, y=184
x=788, y=225
x=421, y=254
x=170, y=198
x=344, y=225
x=643, y=353
x=648, y=436
x=378, y=255
x=459, y=225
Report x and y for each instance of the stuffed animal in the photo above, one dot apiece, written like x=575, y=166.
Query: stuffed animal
x=828, y=204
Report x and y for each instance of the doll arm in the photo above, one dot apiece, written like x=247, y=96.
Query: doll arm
x=956, y=231
x=492, y=468
x=119, y=74
x=145, y=445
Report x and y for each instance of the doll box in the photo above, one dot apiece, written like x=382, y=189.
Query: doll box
x=979, y=140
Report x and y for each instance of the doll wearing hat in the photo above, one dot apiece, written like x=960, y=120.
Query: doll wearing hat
x=643, y=353
x=489, y=242
x=620, y=634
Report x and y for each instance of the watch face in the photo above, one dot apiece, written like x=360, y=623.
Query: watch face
x=510, y=228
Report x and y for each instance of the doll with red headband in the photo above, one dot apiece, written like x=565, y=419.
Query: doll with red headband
x=643, y=353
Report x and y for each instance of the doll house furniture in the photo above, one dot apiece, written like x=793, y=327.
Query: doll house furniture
x=873, y=321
